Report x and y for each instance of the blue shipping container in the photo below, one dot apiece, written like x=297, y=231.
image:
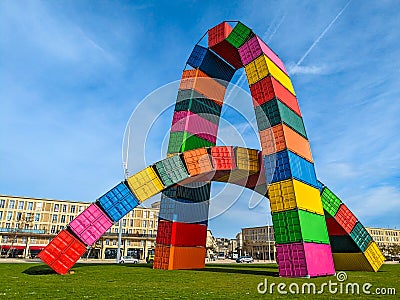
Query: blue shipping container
x=185, y=211
x=118, y=202
x=210, y=63
x=320, y=186
x=285, y=164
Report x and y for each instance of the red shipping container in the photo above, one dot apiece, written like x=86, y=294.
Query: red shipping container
x=334, y=228
x=223, y=158
x=269, y=88
x=217, y=42
x=345, y=218
x=188, y=235
x=62, y=252
x=164, y=232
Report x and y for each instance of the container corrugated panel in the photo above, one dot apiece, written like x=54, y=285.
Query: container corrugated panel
x=118, y=202
x=223, y=158
x=351, y=262
x=334, y=228
x=247, y=159
x=195, y=191
x=91, y=224
x=186, y=211
x=194, y=124
x=232, y=176
x=183, y=141
x=274, y=112
x=280, y=137
x=171, y=170
x=161, y=257
x=252, y=180
x=145, y=184
x=188, y=235
x=187, y=258
x=239, y=35
x=291, y=194
x=218, y=43
x=197, y=161
x=343, y=244
x=330, y=202
x=62, y=252
x=319, y=259
x=254, y=47
x=291, y=260
x=187, y=94
x=203, y=84
x=374, y=256
x=164, y=232
x=200, y=106
x=264, y=67
x=297, y=225
x=285, y=164
x=208, y=62
x=269, y=88
x=361, y=236
x=345, y=218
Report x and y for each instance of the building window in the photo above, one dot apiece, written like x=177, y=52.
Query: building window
x=55, y=217
x=28, y=217
x=128, y=243
x=9, y=216
x=1, y=215
x=115, y=230
x=62, y=219
x=11, y=204
x=143, y=223
x=21, y=204
x=143, y=231
x=30, y=206
x=107, y=242
x=53, y=229
x=130, y=231
x=23, y=240
x=123, y=222
x=123, y=230
x=18, y=216
x=33, y=240
x=151, y=224
x=150, y=232
x=4, y=239
x=145, y=214
x=26, y=226
x=131, y=223
x=8, y=225
x=56, y=207
x=64, y=208
x=37, y=217
x=61, y=227
x=35, y=227
x=2, y=203
x=39, y=206
x=151, y=214
x=72, y=209
x=71, y=218
x=114, y=242
x=80, y=208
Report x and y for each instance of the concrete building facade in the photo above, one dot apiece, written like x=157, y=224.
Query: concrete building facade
x=259, y=242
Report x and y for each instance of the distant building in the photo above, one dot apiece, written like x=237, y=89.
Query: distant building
x=28, y=224
x=222, y=247
x=259, y=242
x=385, y=239
x=211, y=245
x=239, y=243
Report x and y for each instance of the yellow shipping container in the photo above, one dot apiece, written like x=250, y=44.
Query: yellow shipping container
x=247, y=159
x=351, y=262
x=251, y=73
x=290, y=194
x=145, y=184
x=374, y=256
x=264, y=66
x=234, y=176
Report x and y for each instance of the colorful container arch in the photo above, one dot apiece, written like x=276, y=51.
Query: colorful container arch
x=314, y=231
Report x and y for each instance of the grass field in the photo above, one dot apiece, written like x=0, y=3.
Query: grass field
x=128, y=281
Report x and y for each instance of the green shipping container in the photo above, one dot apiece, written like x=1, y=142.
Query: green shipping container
x=274, y=112
x=182, y=141
x=171, y=170
x=298, y=225
x=330, y=202
x=240, y=34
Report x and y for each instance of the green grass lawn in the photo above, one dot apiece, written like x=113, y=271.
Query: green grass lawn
x=128, y=281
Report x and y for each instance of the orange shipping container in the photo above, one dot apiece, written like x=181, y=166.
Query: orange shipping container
x=187, y=258
x=197, y=161
x=282, y=137
x=202, y=83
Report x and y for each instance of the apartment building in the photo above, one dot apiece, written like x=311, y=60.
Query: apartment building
x=259, y=242
x=28, y=224
x=388, y=240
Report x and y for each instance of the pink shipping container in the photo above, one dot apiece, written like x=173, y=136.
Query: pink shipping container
x=254, y=47
x=194, y=124
x=304, y=259
x=91, y=224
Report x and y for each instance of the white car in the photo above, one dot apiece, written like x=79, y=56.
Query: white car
x=245, y=259
x=128, y=260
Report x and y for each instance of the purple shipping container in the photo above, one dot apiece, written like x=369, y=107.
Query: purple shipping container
x=304, y=259
x=194, y=124
x=253, y=49
x=91, y=224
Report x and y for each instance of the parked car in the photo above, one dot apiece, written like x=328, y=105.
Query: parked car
x=128, y=260
x=245, y=259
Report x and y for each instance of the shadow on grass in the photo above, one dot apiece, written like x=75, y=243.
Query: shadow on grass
x=39, y=270
x=268, y=270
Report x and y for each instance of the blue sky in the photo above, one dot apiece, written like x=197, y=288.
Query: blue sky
x=72, y=73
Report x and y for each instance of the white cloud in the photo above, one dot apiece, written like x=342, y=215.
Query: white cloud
x=313, y=70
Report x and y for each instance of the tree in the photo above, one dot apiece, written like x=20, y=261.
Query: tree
x=22, y=223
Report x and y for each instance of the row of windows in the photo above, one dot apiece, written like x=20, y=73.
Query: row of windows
x=128, y=243
x=27, y=217
x=21, y=204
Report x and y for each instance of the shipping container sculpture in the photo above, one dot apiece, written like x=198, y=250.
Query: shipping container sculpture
x=315, y=232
